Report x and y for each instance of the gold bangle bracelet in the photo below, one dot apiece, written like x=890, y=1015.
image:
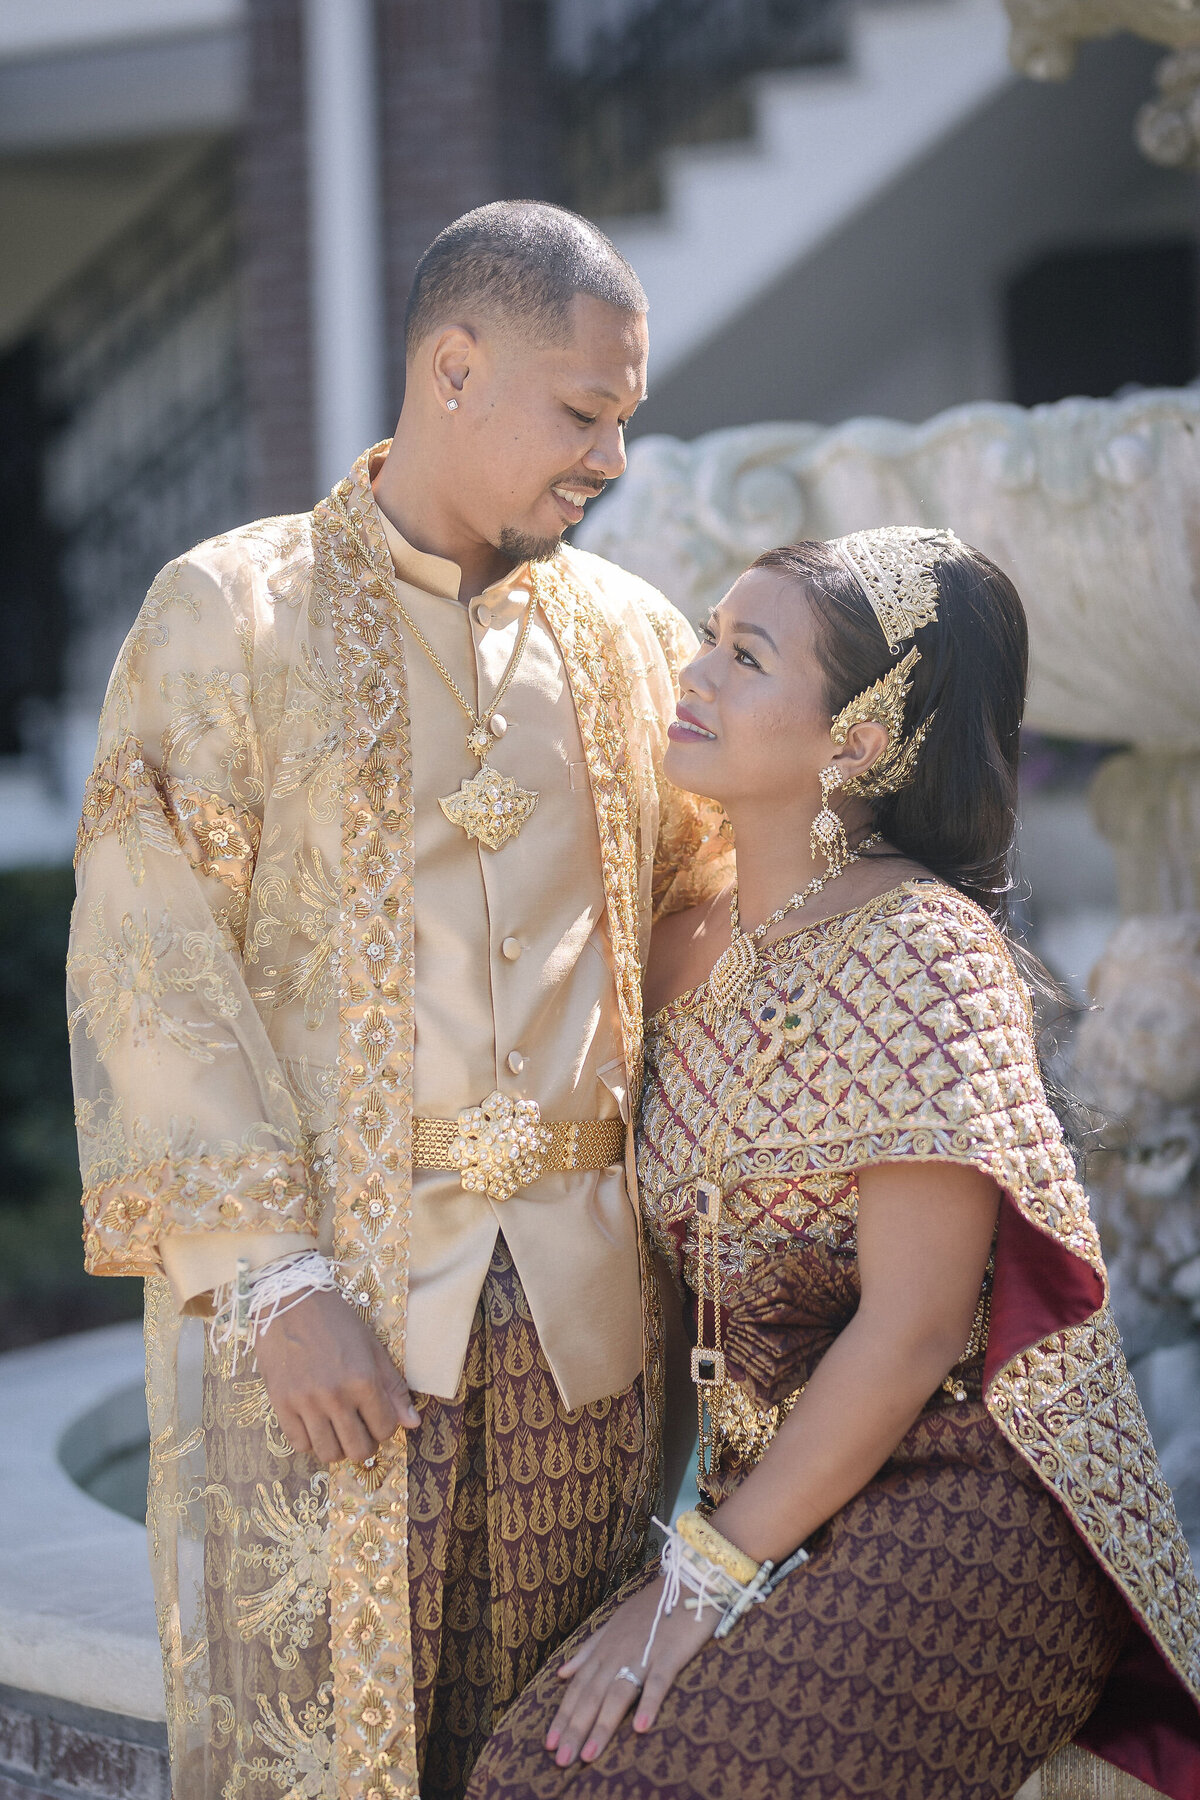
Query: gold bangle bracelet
x=703, y=1536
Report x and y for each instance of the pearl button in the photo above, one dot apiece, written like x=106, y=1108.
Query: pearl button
x=498, y=724
x=510, y=949
x=516, y=1061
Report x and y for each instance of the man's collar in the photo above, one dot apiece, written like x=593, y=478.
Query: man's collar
x=434, y=574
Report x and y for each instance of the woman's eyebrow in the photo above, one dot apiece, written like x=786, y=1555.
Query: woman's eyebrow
x=756, y=631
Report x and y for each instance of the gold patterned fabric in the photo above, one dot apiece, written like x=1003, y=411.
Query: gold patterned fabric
x=242, y=978
x=1014, y=1577
x=523, y=1516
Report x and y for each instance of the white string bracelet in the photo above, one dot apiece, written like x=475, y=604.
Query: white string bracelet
x=684, y=1566
x=248, y=1305
x=709, y=1584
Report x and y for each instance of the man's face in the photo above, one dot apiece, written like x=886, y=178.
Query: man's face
x=540, y=428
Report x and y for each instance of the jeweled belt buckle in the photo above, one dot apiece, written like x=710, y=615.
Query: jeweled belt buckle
x=500, y=1147
x=708, y=1367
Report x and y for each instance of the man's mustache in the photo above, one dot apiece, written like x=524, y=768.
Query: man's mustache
x=580, y=487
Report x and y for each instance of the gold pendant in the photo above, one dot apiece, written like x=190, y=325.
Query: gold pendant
x=732, y=974
x=490, y=807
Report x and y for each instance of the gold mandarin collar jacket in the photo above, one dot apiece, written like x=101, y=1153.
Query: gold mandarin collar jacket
x=242, y=977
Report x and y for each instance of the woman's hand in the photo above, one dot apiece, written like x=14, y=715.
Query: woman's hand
x=596, y=1700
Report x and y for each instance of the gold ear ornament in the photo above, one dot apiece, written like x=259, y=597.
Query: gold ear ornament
x=883, y=704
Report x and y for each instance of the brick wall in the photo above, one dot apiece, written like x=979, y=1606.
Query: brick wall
x=273, y=207
x=464, y=119
x=53, y=1750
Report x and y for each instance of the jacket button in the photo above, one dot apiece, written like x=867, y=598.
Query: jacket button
x=510, y=949
x=516, y=1061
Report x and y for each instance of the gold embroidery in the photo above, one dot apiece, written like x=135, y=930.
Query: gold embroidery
x=126, y=976
x=218, y=840
x=149, y=633
x=303, y=1766
x=370, y=1627
x=310, y=726
x=124, y=1216
x=920, y=1045
x=217, y=703
x=307, y=904
x=600, y=685
x=295, y=1554
x=122, y=796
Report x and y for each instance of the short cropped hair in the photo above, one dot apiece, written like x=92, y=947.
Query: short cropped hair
x=521, y=262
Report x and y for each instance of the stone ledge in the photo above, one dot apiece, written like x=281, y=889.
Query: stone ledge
x=52, y=1749
x=77, y=1618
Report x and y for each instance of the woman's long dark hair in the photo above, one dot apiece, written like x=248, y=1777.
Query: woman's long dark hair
x=958, y=814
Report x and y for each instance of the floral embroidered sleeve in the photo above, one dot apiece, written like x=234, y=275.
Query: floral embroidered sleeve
x=692, y=860
x=186, y=1123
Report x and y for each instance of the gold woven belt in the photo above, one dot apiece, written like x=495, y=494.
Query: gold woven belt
x=503, y=1145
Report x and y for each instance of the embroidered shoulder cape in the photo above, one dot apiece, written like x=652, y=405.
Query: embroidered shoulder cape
x=906, y=1033
x=240, y=983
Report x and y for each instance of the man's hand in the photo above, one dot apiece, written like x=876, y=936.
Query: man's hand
x=336, y=1392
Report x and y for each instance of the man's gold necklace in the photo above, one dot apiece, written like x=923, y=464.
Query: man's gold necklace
x=734, y=970
x=489, y=806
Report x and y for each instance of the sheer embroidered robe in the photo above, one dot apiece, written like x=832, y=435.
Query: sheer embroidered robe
x=243, y=991
x=1014, y=1577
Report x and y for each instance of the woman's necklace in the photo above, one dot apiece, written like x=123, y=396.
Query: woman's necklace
x=489, y=806
x=736, y=968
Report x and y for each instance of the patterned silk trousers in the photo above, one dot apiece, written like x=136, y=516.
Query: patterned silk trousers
x=523, y=1517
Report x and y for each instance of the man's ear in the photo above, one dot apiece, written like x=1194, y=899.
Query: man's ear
x=451, y=363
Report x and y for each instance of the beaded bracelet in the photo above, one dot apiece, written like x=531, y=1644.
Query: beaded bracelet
x=696, y=1556
x=703, y=1536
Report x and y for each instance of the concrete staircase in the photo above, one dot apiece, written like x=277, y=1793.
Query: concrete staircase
x=827, y=141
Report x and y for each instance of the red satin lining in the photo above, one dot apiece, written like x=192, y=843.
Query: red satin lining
x=1039, y=1288
x=1145, y=1721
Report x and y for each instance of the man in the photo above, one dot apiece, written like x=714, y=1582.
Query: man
x=367, y=865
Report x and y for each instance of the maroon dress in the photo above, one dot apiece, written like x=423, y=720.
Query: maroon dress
x=1014, y=1577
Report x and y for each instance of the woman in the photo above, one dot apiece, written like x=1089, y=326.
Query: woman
x=926, y=1567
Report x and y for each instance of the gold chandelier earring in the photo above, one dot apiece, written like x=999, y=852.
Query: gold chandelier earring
x=828, y=835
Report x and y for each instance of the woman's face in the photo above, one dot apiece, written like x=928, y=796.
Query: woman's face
x=752, y=725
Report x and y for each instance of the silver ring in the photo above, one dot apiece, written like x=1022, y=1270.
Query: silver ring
x=625, y=1673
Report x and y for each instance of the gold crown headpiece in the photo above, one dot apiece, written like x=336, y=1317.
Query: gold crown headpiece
x=896, y=569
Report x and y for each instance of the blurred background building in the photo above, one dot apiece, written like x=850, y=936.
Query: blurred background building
x=211, y=210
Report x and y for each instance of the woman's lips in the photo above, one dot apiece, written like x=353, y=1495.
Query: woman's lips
x=684, y=729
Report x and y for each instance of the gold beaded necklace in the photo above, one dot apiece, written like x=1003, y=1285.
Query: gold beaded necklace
x=734, y=970
x=488, y=806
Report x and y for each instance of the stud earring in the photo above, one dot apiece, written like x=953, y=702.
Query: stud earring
x=828, y=835
x=452, y=406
